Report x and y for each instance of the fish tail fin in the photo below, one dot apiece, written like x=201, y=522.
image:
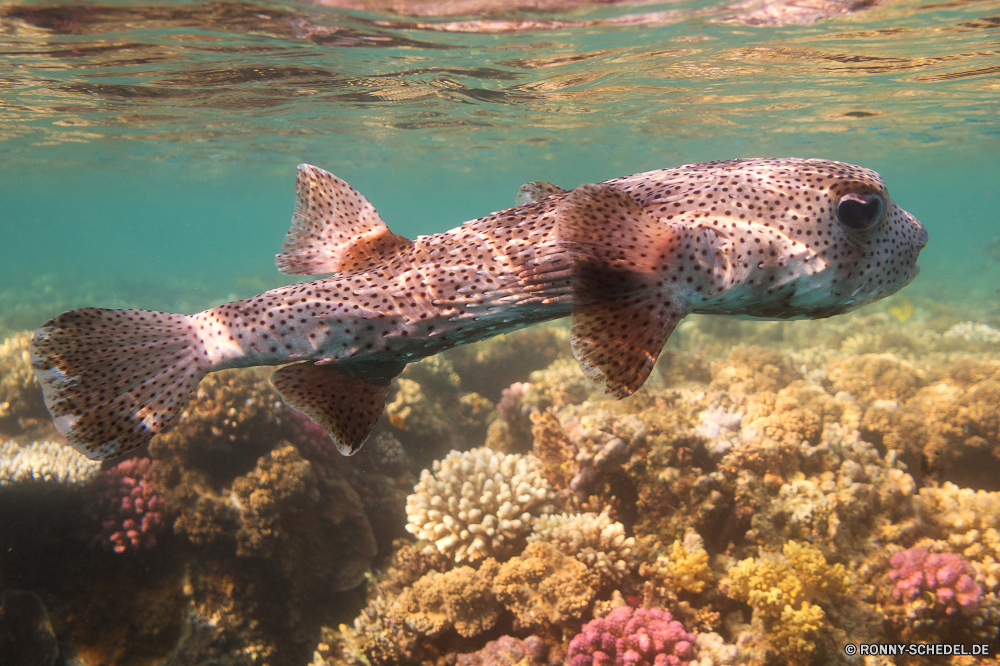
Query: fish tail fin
x=114, y=378
x=624, y=305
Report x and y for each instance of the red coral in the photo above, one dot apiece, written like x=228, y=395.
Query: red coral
x=129, y=506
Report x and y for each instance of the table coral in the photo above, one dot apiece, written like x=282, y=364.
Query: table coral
x=945, y=578
x=478, y=503
x=632, y=637
x=781, y=589
x=544, y=586
x=593, y=539
x=44, y=462
x=461, y=599
x=130, y=506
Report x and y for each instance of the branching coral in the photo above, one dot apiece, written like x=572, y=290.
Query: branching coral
x=593, y=539
x=781, y=591
x=632, y=637
x=543, y=586
x=478, y=503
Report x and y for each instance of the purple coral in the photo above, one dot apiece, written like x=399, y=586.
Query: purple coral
x=632, y=637
x=129, y=506
x=946, y=576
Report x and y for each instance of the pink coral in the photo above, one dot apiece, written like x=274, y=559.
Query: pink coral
x=947, y=577
x=632, y=637
x=129, y=506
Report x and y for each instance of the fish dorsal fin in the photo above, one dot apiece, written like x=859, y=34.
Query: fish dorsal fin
x=334, y=228
x=624, y=308
x=345, y=404
x=535, y=190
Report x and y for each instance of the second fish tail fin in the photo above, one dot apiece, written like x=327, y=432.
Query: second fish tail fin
x=112, y=379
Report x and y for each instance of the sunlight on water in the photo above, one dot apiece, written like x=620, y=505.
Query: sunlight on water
x=159, y=141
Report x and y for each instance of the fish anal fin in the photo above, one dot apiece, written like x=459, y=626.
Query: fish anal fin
x=334, y=228
x=346, y=403
x=624, y=305
x=535, y=190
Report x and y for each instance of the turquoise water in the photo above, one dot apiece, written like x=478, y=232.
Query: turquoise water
x=147, y=159
x=154, y=144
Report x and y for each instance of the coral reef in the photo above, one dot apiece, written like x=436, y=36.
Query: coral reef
x=44, y=462
x=779, y=502
x=478, y=503
x=129, y=505
x=632, y=637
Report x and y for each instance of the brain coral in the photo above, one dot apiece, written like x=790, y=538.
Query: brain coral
x=591, y=538
x=478, y=503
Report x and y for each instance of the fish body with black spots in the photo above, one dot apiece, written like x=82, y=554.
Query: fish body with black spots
x=626, y=259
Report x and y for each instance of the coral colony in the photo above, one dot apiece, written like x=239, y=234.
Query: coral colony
x=130, y=506
x=947, y=578
x=632, y=637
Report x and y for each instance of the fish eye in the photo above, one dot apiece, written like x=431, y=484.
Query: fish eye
x=860, y=211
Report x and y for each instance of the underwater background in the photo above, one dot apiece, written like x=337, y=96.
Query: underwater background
x=776, y=492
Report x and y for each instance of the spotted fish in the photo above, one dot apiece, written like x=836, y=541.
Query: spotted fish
x=627, y=259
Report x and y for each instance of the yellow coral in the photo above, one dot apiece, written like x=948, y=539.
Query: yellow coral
x=789, y=635
x=779, y=589
x=687, y=566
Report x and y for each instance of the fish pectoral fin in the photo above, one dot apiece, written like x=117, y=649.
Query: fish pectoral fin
x=624, y=305
x=535, y=190
x=344, y=402
x=334, y=228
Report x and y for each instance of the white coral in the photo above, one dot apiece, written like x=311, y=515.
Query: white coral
x=959, y=509
x=46, y=462
x=476, y=503
x=591, y=538
x=973, y=332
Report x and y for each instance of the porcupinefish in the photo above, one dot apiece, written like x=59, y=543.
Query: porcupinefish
x=626, y=259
